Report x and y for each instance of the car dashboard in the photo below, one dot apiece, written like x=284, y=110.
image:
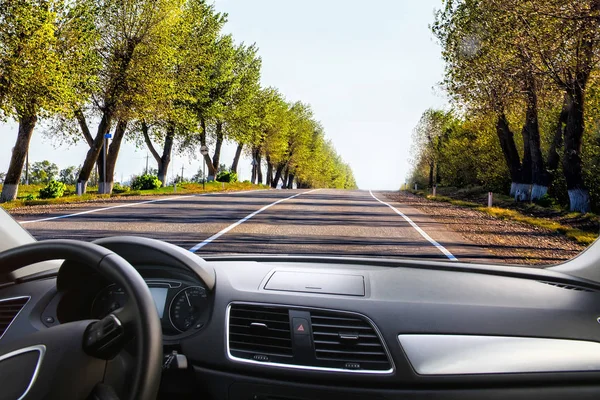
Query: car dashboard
x=295, y=328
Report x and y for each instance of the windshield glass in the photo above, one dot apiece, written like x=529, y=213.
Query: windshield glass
x=449, y=130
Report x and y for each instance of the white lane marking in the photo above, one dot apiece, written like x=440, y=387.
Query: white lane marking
x=241, y=221
x=418, y=229
x=95, y=210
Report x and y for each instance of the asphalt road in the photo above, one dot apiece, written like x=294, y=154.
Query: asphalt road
x=321, y=222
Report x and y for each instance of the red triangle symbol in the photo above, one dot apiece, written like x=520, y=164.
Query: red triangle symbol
x=301, y=328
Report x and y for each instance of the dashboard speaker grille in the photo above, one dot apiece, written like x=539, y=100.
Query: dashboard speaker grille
x=9, y=309
x=347, y=341
x=260, y=333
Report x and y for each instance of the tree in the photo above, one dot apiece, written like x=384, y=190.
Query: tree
x=198, y=177
x=134, y=51
x=68, y=175
x=172, y=117
x=46, y=60
x=43, y=172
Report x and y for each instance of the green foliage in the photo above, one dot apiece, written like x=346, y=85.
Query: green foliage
x=53, y=190
x=29, y=197
x=145, y=182
x=43, y=172
x=227, y=176
x=118, y=188
x=69, y=175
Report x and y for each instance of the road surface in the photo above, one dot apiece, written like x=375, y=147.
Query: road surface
x=319, y=222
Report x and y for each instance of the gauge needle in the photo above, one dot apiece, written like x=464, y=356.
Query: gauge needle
x=188, y=299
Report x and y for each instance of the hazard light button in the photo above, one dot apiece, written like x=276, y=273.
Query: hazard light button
x=301, y=326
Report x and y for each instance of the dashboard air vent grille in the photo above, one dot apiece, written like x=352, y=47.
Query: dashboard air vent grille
x=569, y=287
x=347, y=341
x=260, y=333
x=9, y=309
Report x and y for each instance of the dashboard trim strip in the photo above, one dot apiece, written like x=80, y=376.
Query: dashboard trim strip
x=431, y=354
x=17, y=315
x=39, y=348
x=307, y=367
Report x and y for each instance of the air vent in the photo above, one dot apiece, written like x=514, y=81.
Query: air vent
x=569, y=287
x=260, y=333
x=9, y=308
x=347, y=342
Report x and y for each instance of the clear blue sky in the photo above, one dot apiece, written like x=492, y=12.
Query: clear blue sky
x=368, y=68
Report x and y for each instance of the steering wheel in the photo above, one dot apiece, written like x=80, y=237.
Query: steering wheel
x=73, y=356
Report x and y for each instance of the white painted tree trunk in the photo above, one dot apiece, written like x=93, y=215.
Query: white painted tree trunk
x=81, y=188
x=513, y=188
x=105, y=189
x=9, y=192
x=538, y=191
x=522, y=192
x=579, y=200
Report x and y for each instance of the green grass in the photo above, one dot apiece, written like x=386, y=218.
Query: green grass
x=577, y=235
x=92, y=194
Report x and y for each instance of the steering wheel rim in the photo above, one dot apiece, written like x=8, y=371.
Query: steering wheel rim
x=139, y=315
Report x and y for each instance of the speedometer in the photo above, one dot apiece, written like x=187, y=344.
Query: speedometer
x=189, y=308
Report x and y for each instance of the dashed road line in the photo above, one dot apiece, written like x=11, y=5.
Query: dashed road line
x=241, y=221
x=418, y=229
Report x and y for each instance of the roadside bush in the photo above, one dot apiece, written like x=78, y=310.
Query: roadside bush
x=546, y=201
x=146, y=182
x=29, y=197
x=226, y=176
x=53, y=190
x=118, y=188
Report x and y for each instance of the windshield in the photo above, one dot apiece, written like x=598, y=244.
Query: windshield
x=448, y=130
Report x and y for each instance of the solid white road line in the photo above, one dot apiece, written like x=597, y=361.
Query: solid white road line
x=95, y=210
x=241, y=221
x=418, y=229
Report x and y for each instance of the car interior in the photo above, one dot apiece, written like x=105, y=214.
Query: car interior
x=137, y=318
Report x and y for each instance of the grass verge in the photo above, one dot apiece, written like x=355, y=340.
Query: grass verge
x=582, y=237
x=92, y=195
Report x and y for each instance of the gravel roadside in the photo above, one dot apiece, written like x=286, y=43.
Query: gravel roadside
x=510, y=241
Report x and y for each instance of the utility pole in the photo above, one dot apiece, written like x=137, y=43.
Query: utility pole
x=147, y=163
x=181, y=172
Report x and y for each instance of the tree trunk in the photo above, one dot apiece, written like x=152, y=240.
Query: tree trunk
x=111, y=158
x=278, y=173
x=259, y=174
x=431, y=165
x=165, y=160
x=93, y=153
x=17, y=160
x=557, y=141
x=150, y=145
x=572, y=167
x=217, y=154
x=509, y=150
x=290, y=182
x=236, y=158
x=531, y=132
x=211, y=169
x=269, y=171
x=285, y=178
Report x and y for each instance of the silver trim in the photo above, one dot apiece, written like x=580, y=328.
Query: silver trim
x=467, y=355
x=16, y=315
x=306, y=367
x=39, y=348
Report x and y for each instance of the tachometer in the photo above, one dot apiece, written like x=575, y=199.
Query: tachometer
x=188, y=308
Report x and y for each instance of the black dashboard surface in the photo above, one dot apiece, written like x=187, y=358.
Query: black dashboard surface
x=404, y=299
